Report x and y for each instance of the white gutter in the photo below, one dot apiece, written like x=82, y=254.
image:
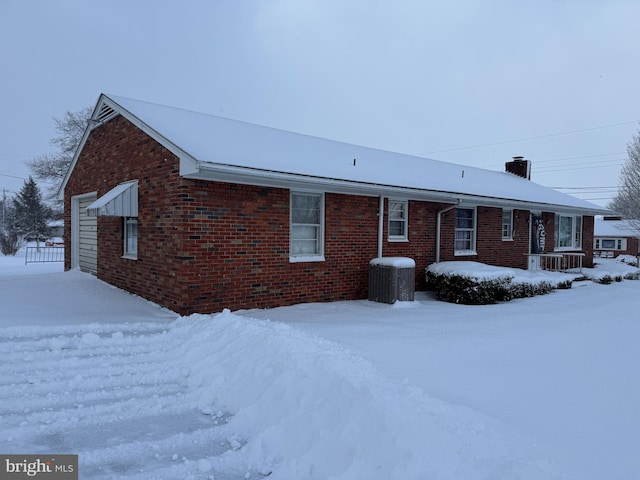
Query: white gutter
x=380, y=225
x=439, y=219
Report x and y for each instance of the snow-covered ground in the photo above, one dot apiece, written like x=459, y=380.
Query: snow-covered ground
x=546, y=387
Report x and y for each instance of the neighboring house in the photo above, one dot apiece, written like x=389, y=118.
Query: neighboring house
x=613, y=236
x=200, y=213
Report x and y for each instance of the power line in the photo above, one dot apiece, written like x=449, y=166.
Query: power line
x=577, y=168
x=12, y=176
x=529, y=138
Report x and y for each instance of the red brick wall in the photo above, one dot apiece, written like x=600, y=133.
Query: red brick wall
x=204, y=246
x=490, y=247
x=421, y=246
x=236, y=251
x=114, y=153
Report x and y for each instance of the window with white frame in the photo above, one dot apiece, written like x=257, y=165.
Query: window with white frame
x=398, y=220
x=465, y=231
x=306, y=236
x=568, y=232
x=130, y=237
x=507, y=224
x=610, y=243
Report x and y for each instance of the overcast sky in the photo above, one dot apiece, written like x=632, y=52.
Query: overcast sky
x=471, y=82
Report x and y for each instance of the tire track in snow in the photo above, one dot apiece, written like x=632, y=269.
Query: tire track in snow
x=113, y=394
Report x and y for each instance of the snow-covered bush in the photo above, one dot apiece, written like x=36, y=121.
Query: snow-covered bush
x=9, y=243
x=473, y=283
x=632, y=275
x=456, y=288
x=628, y=260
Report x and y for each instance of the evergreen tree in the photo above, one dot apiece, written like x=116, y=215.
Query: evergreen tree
x=30, y=215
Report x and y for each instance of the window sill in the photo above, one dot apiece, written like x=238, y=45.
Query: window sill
x=397, y=239
x=465, y=253
x=309, y=258
x=129, y=257
x=567, y=249
x=505, y=239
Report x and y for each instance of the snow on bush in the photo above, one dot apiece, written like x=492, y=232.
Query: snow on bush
x=303, y=408
x=607, y=271
x=627, y=259
x=474, y=283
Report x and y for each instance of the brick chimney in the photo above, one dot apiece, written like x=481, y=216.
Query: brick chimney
x=519, y=166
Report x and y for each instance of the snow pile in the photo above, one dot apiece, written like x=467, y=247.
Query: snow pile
x=308, y=409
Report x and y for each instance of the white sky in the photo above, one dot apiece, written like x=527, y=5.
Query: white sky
x=409, y=76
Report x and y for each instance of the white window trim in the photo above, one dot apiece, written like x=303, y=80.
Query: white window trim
x=405, y=235
x=127, y=254
x=620, y=243
x=573, y=246
x=510, y=236
x=307, y=258
x=473, y=251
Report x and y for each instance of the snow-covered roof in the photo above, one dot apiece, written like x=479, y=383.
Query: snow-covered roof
x=613, y=228
x=216, y=148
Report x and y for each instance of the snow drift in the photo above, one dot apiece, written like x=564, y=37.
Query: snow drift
x=311, y=410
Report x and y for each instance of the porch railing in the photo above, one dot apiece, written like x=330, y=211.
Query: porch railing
x=556, y=262
x=44, y=254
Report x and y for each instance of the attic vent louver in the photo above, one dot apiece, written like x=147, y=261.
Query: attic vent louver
x=105, y=113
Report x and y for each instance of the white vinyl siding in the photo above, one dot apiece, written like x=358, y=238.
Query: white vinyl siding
x=307, y=232
x=465, y=231
x=398, y=220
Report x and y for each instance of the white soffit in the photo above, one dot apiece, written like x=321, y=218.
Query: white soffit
x=120, y=201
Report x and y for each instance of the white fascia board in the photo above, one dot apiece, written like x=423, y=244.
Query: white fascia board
x=267, y=178
x=188, y=164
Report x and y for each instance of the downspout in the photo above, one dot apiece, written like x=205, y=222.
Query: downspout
x=380, y=225
x=439, y=219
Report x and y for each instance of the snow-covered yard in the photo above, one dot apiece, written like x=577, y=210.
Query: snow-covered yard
x=546, y=387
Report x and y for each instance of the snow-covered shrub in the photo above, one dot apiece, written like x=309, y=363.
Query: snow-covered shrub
x=604, y=280
x=469, y=283
x=9, y=243
x=473, y=283
x=469, y=291
x=526, y=290
x=632, y=275
x=628, y=260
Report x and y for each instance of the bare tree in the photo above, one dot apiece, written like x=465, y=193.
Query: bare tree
x=52, y=167
x=627, y=201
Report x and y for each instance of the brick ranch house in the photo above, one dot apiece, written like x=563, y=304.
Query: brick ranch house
x=614, y=236
x=199, y=213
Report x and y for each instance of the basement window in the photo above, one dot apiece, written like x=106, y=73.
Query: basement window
x=130, y=238
x=307, y=227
